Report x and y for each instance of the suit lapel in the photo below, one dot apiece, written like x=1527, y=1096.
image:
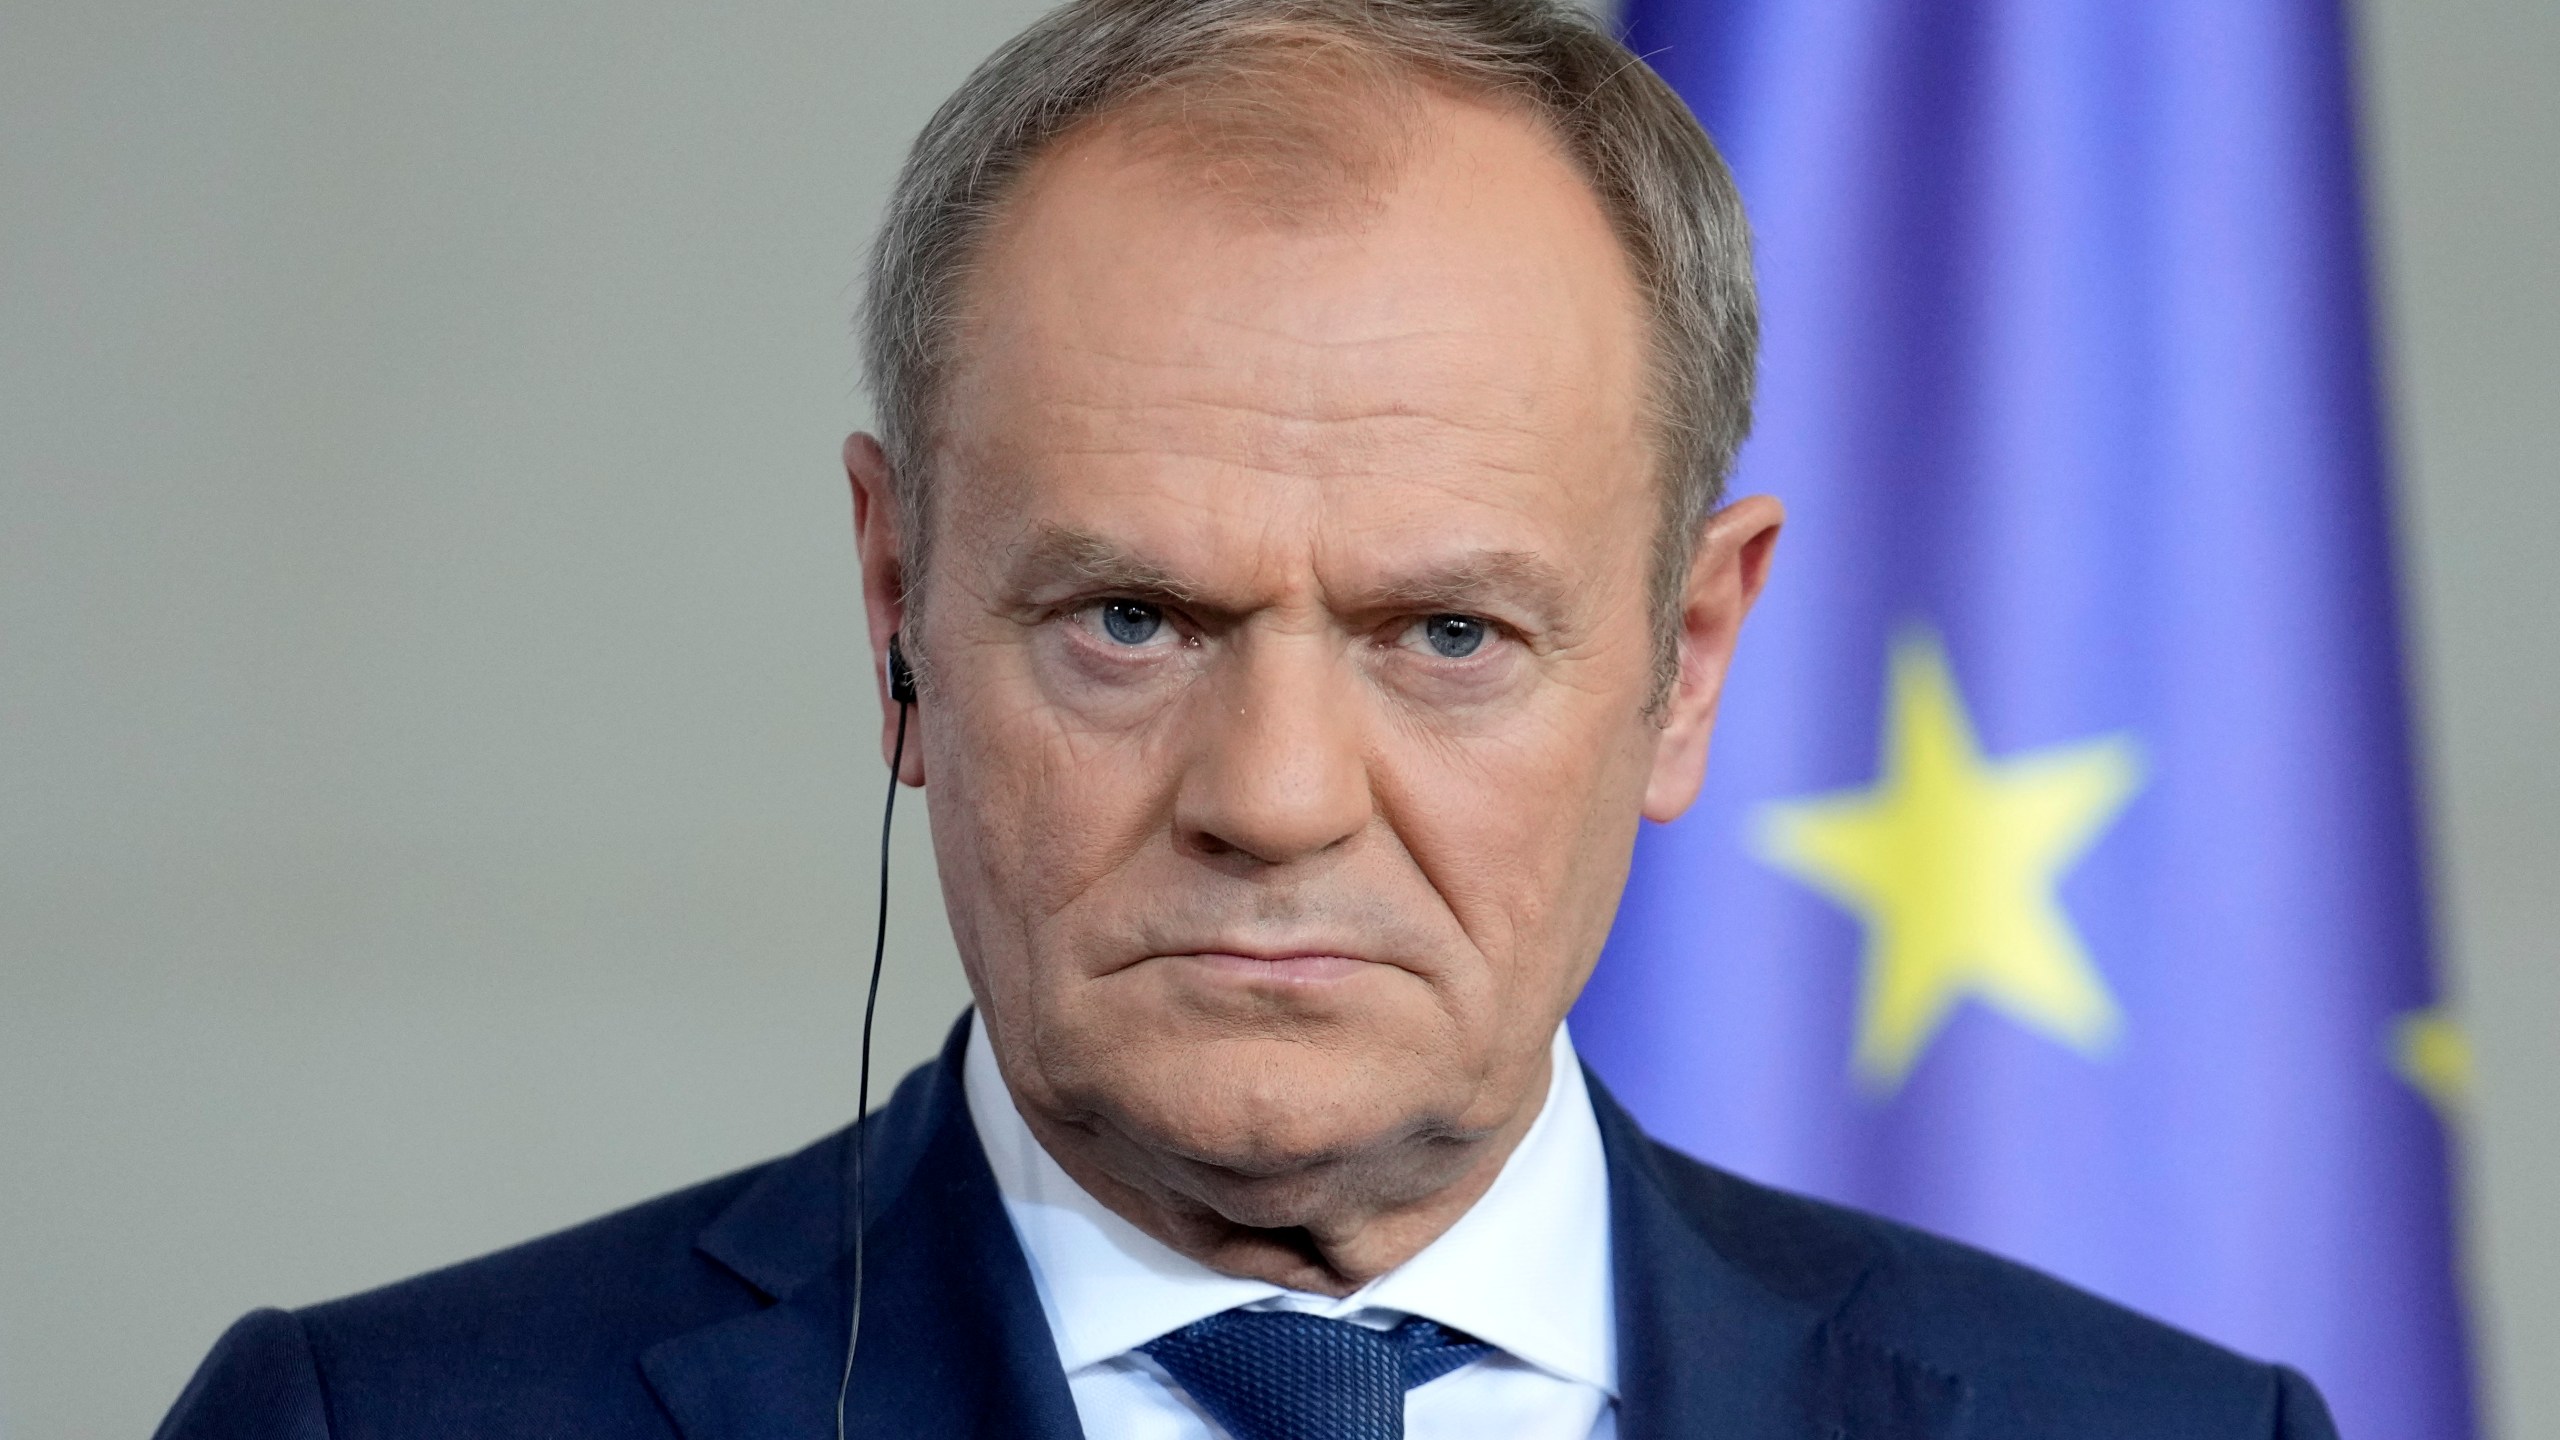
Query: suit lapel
x=1708, y=1347
x=953, y=1339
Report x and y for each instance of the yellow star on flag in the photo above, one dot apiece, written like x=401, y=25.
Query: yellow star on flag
x=1952, y=860
x=2431, y=1052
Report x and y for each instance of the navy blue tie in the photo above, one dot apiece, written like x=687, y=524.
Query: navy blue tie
x=1281, y=1375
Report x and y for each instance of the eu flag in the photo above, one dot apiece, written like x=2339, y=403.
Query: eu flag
x=2057, y=884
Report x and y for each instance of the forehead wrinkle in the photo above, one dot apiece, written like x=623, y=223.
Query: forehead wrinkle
x=1219, y=478
x=1152, y=441
x=1323, y=385
x=1305, y=406
x=1272, y=330
x=1314, y=430
x=1286, y=444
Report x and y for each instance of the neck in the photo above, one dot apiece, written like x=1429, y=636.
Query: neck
x=1328, y=1227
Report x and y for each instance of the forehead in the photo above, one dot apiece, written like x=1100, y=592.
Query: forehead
x=1454, y=326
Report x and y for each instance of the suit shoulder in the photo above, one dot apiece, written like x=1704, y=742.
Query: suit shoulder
x=537, y=1339
x=2026, y=1344
x=258, y=1382
x=624, y=1264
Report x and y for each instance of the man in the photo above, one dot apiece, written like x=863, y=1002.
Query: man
x=1303, y=423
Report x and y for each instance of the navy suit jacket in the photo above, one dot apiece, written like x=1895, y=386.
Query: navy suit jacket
x=718, y=1313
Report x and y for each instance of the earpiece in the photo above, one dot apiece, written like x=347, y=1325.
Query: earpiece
x=902, y=679
x=902, y=689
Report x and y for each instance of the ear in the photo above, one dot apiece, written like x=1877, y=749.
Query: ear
x=1725, y=576
x=877, y=539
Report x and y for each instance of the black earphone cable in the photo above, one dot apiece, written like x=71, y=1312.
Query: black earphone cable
x=862, y=1086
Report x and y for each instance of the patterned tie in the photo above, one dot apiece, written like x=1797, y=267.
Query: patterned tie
x=1280, y=1375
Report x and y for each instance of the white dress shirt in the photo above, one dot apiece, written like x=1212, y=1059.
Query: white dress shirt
x=1526, y=1270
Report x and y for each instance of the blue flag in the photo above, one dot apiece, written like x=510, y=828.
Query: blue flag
x=2057, y=885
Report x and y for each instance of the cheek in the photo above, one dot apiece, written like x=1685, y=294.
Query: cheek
x=1042, y=809
x=1526, y=839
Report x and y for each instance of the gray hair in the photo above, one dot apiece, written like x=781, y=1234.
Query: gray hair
x=1665, y=191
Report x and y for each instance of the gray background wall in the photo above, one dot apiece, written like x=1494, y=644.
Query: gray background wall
x=435, y=792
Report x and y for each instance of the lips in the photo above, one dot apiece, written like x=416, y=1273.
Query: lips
x=1305, y=942
x=1293, y=967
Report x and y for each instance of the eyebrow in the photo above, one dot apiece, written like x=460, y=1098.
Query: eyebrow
x=1483, y=579
x=1517, y=581
x=1059, y=556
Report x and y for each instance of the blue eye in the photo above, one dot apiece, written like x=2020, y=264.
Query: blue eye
x=1454, y=637
x=1131, y=622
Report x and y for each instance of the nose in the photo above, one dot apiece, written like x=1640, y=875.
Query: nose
x=1277, y=772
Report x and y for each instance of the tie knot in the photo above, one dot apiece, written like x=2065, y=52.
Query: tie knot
x=1282, y=1375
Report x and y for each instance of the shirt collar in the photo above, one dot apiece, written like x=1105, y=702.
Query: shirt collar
x=1526, y=1269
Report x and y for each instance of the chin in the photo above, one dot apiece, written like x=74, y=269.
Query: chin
x=1263, y=1115
x=1266, y=1088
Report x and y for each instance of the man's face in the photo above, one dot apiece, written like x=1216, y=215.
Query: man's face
x=1289, y=657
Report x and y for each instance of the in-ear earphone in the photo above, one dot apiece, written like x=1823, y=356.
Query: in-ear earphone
x=902, y=692
x=902, y=679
